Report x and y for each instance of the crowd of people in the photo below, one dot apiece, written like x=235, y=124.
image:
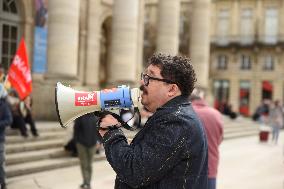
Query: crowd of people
x=14, y=112
x=270, y=113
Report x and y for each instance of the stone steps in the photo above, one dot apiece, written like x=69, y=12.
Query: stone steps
x=239, y=134
x=239, y=129
x=33, y=146
x=41, y=127
x=46, y=135
x=43, y=165
x=46, y=152
x=28, y=156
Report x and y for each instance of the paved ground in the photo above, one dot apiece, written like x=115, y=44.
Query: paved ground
x=245, y=164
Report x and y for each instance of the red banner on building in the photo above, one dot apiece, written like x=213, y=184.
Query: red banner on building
x=19, y=73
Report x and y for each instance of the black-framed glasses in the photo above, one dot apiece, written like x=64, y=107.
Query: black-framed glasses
x=146, y=78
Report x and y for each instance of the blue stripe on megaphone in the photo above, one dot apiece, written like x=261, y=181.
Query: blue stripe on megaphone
x=115, y=98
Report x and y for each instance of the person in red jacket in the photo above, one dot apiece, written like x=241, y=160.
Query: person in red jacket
x=213, y=124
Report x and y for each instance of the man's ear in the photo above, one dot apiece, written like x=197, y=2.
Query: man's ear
x=173, y=90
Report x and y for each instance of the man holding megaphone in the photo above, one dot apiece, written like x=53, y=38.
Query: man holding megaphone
x=170, y=152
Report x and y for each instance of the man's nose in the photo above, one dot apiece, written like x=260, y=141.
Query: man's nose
x=142, y=82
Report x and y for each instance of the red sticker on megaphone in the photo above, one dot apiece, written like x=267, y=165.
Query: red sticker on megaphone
x=85, y=98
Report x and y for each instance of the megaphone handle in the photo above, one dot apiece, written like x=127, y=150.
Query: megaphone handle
x=111, y=127
x=102, y=114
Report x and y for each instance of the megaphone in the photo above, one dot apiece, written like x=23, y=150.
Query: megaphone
x=71, y=104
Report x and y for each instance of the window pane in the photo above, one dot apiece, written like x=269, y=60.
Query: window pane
x=246, y=22
x=13, y=48
x=14, y=33
x=268, y=63
x=245, y=62
x=5, y=48
x=222, y=62
x=223, y=23
x=5, y=7
x=271, y=25
x=5, y=62
x=13, y=7
x=5, y=31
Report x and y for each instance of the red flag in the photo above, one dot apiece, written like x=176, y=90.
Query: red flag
x=19, y=73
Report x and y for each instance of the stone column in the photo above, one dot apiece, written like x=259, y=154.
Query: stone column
x=168, y=26
x=281, y=17
x=124, y=49
x=29, y=27
x=63, y=38
x=234, y=97
x=256, y=83
x=140, y=38
x=200, y=40
x=82, y=40
x=254, y=94
x=93, y=44
x=278, y=90
x=257, y=93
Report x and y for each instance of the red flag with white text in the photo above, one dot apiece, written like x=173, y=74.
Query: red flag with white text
x=19, y=73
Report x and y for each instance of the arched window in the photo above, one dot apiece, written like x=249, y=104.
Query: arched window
x=9, y=30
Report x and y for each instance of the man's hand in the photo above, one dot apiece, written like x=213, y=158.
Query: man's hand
x=107, y=121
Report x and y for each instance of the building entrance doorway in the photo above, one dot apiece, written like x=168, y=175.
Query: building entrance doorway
x=244, y=98
x=267, y=90
x=221, y=93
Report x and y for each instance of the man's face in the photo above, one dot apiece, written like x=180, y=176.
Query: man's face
x=156, y=93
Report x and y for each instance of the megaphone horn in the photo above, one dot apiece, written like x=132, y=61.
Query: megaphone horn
x=71, y=104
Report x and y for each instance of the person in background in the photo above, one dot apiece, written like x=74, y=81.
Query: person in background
x=18, y=120
x=227, y=109
x=86, y=138
x=213, y=124
x=170, y=151
x=26, y=112
x=276, y=120
x=5, y=120
x=262, y=111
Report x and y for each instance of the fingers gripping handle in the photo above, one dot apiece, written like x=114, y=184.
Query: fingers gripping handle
x=102, y=114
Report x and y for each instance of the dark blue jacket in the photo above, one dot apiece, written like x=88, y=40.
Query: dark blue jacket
x=85, y=130
x=170, y=152
x=5, y=118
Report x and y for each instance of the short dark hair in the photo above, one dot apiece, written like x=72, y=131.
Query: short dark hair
x=177, y=69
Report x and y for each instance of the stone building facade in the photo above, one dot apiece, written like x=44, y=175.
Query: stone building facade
x=235, y=46
x=247, y=59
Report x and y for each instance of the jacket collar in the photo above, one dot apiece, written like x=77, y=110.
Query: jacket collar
x=177, y=101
